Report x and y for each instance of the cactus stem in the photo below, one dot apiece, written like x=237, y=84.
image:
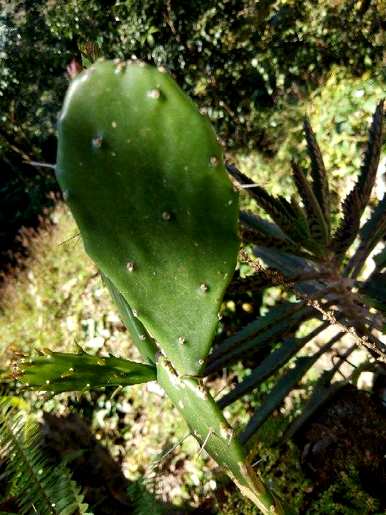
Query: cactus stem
x=204, y=287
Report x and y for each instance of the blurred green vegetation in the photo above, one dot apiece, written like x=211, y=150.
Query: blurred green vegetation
x=251, y=66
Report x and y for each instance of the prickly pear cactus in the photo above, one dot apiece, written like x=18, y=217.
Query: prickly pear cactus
x=215, y=435
x=143, y=174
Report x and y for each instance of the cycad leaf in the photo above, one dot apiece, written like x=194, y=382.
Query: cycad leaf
x=252, y=283
x=257, y=237
x=279, y=209
x=323, y=391
x=375, y=291
x=253, y=221
x=356, y=201
x=370, y=234
x=273, y=362
x=370, y=163
x=316, y=220
x=318, y=172
x=285, y=384
x=38, y=486
x=257, y=335
x=380, y=260
x=61, y=372
x=276, y=396
x=349, y=226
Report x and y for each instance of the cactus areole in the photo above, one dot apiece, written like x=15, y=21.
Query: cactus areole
x=143, y=174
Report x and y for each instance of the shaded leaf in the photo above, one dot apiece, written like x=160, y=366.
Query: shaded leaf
x=285, y=384
x=374, y=290
x=276, y=396
x=349, y=225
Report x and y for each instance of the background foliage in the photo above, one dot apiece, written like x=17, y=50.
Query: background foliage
x=243, y=62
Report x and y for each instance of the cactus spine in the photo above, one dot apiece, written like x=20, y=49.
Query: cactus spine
x=144, y=176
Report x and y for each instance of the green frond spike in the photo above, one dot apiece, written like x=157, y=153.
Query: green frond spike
x=356, y=201
x=215, y=435
x=315, y=218
x=372, y=232
x=278, y=208
x=257, y=335
x=318, y=172
x=349, y=226
x=300, y=215
x=62, y=372
x=39, y=487
x=144, y=177
x=371, y=157
x=260, y=238
x=275, y=360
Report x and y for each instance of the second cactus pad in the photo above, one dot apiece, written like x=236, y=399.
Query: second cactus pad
x=143, y=174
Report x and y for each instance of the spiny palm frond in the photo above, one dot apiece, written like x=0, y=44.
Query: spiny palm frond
x=356, y=201
x=278, y=208
x=316, y=220
x=318, y=172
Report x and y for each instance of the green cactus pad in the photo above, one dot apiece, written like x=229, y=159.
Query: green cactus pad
x=139, y=335
x=143, y=174
x=65, y=372
x=215, y=435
